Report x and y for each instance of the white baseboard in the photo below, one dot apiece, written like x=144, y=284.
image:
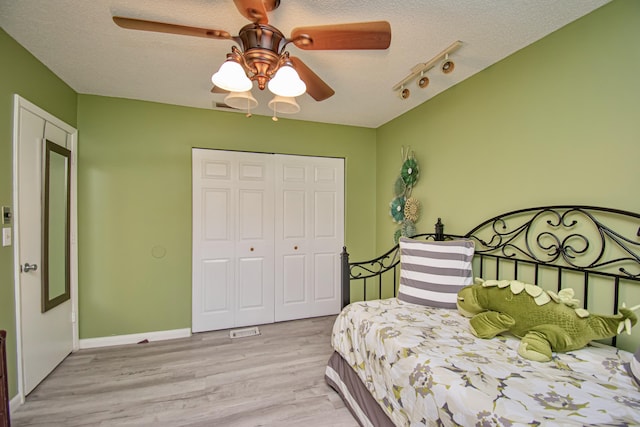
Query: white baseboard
x=134, y=338
x=15, y=403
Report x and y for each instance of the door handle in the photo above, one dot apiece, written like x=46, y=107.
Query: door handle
x=29, y=267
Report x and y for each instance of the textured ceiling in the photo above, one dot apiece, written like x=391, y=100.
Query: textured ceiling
x=79, y=42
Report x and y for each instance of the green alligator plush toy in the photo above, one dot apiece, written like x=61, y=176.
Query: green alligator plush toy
x=543, y=320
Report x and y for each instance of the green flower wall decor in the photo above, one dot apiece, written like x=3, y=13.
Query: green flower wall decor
x=397, y=209
x=404, y=209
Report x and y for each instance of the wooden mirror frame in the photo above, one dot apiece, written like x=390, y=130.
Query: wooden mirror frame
x=55, y=240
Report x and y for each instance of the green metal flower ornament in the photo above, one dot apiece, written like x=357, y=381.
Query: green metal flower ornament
x=410, y=171
x=408, y=228
x=399, y=187
x=396, y=236
x=397, y=209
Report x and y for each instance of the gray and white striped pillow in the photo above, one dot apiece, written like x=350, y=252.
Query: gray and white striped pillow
x=432, y=273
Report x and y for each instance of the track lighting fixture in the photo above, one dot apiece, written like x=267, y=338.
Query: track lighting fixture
x=447, y=65
x=420, y=70
x=423, y=81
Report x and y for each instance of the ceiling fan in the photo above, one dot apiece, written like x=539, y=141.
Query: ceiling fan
x=261, y=52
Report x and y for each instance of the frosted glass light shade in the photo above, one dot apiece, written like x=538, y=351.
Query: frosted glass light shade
x=287, y=83
x=231, y=77
x=284, y=104
x=241, y=100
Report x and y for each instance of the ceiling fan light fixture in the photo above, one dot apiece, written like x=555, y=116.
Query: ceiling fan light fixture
x=232, y=77
x=287, y=83
x=241, y=100
x=284, y=104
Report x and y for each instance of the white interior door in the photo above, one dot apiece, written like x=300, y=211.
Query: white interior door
x=309, y=236
x=232, y=239
x=45, y=338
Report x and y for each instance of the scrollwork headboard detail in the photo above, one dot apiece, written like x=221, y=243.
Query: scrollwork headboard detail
x=564, y=238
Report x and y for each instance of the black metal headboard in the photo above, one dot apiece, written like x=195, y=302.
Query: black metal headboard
x=582, y=247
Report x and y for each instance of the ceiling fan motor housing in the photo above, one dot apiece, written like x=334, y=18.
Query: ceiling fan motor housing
x=262, y=47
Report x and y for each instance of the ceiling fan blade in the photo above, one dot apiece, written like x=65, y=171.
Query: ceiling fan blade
x=316, y=87
x=161, y=27
x=360, y=35
x=216, y=89
x=256, y=10
x=271, y=4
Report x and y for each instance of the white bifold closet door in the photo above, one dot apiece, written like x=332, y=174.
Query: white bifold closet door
x=309, y=236
x=233, y=262
x=267, y=234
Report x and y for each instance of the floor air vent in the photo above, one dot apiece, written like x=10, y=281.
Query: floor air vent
x=245, y=332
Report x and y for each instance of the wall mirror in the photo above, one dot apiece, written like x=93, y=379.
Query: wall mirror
x=56, y=265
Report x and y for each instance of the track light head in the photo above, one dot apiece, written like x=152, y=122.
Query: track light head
x=447, y=65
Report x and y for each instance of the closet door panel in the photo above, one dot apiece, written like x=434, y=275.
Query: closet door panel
x=254, y=299
x=255, y=259
x=292, y=232
x=328, y=235
x=293, y=267
x=325, y=271
x=217, y=248
x=254, y=240
x=325, y=215
x=217, y=299
x=251, y=215
x=291, y=217
x=292, y=172
x=213, y=243
x=216, y=214
x=293, y=206
x=309, y=225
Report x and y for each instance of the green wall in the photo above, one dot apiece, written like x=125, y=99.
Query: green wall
x=23, y=74
x=556, y=123
x=134, y=189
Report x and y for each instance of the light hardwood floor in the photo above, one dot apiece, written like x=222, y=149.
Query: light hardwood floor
x=274, y=379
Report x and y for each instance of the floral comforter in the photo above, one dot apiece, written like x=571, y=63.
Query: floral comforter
x=424, y=367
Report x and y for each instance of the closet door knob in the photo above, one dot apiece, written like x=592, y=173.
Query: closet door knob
x=295, y=248
x=251, y=249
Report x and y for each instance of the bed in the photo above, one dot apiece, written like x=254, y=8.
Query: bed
x=400, y=362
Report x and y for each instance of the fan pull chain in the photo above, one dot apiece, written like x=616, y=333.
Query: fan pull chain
x=275, y=117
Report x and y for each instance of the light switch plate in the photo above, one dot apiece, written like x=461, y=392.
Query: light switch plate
x=6, y=236
x=6, y=215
